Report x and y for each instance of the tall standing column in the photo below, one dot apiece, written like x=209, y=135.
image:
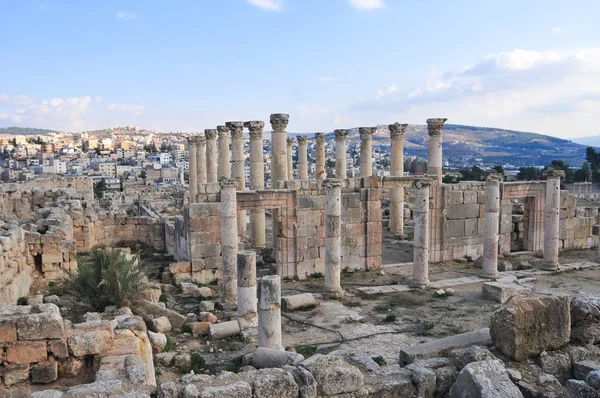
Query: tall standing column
x=237, y=165
x=224, y=141
x=340, y=153
x=490, y=231
x=290, y=162
x=279, y=122
x=269, y=312
x=420, y=277
x=333, y=236
x=229, y=240
x=302, y=157
x=246, y=294
x=552, y=219
x=366, y=150
x=320, y=172
x=201, y=159
x=192, y=169
x=257, y=180
x=397, y=169
x=211, y=155
x=434, y=154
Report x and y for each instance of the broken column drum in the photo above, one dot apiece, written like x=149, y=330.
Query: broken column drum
x=302, y=157
x=320, y=172
x=397, y=169
x=434, y=154
x=340, y=153
x=491, y=226
x=552, y=219
x=193, y=185
x=279, y=122
x=257, y=180
x=229, y=240
x=201, y=159
x=223, y=168
x=420, y=277
x=236, y=130
x=290, y=163
x=366, y=150
x=333, y=235
x=269, y=312
x=246, y=294
x=211, y=155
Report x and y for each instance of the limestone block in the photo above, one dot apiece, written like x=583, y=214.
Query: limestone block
x=484, y=379
x=67, y=246
x=158, y=341
x=470, y=197
x=454, y=198
x=335, y=376
x=44, y=325
x=221, y=330
x=58, y=348
x=8, y=331
x=270, y=358
x=460, y=212
x=232, y=390
x=160, y=325
x=200, y=328
x=585, y=319
x=90, y=343
x=44, y=372
x=454, y=228
x=294, y=302
x=502, y=292
x=24, y=352
x=15, y=373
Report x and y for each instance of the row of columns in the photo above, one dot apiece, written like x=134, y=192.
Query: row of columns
x=587, y=189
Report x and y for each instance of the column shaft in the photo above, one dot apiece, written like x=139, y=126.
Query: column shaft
x=366, y=151
x=302, y=157
x=340, y=153
x=269, y=312
x=192, y=170
x=246, y=295
x=229, y=240
x=201, y=160
x=257, y=181
x=290, y=162
x=434, y=154
x=552, y=219
x=236, y=130
x=397, y=169
x=279, y=159
x=491, y=226
x=420, y=277
x=320, y=173
x=223, y=168
x=333, y=236
x=211, y=155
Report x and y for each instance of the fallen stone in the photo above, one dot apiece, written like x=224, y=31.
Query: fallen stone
x=335, y=376
x=298, y=301
x=221, y=330
x=440, y=293
x=269, y=358
x=556, y=363
x=465, y=356
x=207, y=317
x=593, y=379
x=524, y=265
x=484, y=379
x=269, y=383
x=581, y=369
x=206, y=306
x=585, y=319
x=504, y=266
x=580, y=389
x=445, y=377
x=450, y=291
x=150, y=311
x=424, y=379
x=233, y=390
x=160, y=325
x=158, y=341
x=52, y=300
x=47, y=394
x=357, y=358
x=502, y=292
x=200, y=328
x=90, y=343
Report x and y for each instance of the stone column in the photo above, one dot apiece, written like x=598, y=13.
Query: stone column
x=302, y=157
x=552, y=219
x=420, y=277
x=366, y=150
x=257, y=180
x=201, y=159
x=434, y=154
x=491, y=225
x=246, y=294
x=290, y=162
x=333, y=236
x=223, y=169
x=320, y=173
x=192, y=169
x=229, y=240
x=236, y=130
x=397, y=169
x=279, y=122
x=340, y=153
x=269, y=312
x=211, y=155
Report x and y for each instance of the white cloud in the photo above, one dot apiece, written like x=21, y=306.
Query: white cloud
x=98, y=99
x=127, y=108
x=557, y=30
x=367, y=4
x=67, y=112
x=272, y=5
x=380, y=94
x=313, y=112
x=3, y=116
x=126, y=15
x=393, y=88
x=16, y=100
x=325, y=79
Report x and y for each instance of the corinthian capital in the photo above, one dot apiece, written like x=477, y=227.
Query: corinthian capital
x=236, y=129
x=397, y=130
x=279, y=121
x=436, y=126
x=320, y=137
x=290, y=141
x=200, y=140
x=256, y=128
x=366, y=133
x=340, y=134
x=302, y=139
x=210, y=134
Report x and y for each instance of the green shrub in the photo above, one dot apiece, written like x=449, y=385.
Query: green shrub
x=108, y=278
x=316, y=275
x=235, y=364
x=197, y=364
x=22, y=301
x=307, y=350
x=170, y=345
x=379, y=360
x=163, y=298
x=390, y=318
x=51, y=284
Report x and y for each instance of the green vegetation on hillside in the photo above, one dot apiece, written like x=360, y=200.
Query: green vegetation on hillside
x=25, y=131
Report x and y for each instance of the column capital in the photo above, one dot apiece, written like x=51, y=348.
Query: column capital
x=320, y=137
x=191, y=139
x=236, y=129
x=397, y=130
x=279, y=121
x=340, y=134
x=210, y=134
x=222, y=129
x=331, y=183
x=290, y=141
x=552, y=173
x=226, y=182
x=255, y=127
x=436, y=126
x=302, y=139
x=422, y=182
x=494, y=178
x=366, y=133
x=201, y=140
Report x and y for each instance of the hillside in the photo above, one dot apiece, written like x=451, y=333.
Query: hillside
x=588, y=141
x=25, y=131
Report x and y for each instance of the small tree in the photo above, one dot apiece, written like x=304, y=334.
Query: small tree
x=99, y=188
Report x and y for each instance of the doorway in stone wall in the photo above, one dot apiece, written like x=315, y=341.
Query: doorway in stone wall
x=37, y=263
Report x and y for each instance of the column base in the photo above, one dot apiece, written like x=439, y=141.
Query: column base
x=490, y=276
x=419, y=284
x=334, y=294
x=547, y=266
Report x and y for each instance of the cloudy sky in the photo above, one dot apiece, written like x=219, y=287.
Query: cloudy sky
x=189, y=65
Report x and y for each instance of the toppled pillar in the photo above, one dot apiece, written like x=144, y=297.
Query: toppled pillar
x=552, y=219
x=420, y=277
x=290, y=162
x=302, y=157
x=397, y=169
x=211, y=155
x=490, y=231
x=333, y=236
x=201, y=159
x=366, y=150
x=257, y=180
x=229, y=240
x=434, y=154
x=237, y=166
x=297, y=301
x=246, y=295
x=269, y=312
x=192, y=170
x=320, y=172
x=340, y=153
x=279, y=122
x=223, y=169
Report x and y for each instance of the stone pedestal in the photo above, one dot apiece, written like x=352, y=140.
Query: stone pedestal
x=552, y=219
x=236, y=130
x=229, y=240
x=290, y=162
x=340, y=153
x=201, y=159
x=333, y=236
x=302, y=157
x=279, y=122
x=257, y=180
x=320, y=173
x=246, y=295
x=366, y=150
x=420, y=277
x=490, y=231
x=192, y=170
x=269, y=312
x=434, y=154
x=223, y=168
x=211, y=155
x=397, y=169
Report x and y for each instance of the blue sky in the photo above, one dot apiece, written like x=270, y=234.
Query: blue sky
x=190, y=65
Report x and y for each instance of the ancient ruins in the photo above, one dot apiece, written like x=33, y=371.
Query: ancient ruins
x=326, y=237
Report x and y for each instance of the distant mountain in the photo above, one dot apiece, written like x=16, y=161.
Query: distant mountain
x=25, y=131
x=588, y=141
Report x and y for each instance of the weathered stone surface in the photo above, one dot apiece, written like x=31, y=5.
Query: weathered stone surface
x=150, y=311
x=424, y=379
x=390, y=381
x=24, y=352
x=158, y=341
x=44, y=322
x=585, y=319
x=233, y=390
x=221, y=330
x=274, y=383
x=307, y=385
x=357, y=358
x=581, y=369
x=580, y=389
x=484, y=379
x=501, y=292
x=90, y=343
x=556, y=363
x=48, y=394
x=334, y=376
x=269, y=358
x=296, y=301
x=445, y=377
x=207, y=317
x=593, y=379
x=527, y=326
x=160, y=325
x=465, y=356
x=15, y=373
x=44, y=372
